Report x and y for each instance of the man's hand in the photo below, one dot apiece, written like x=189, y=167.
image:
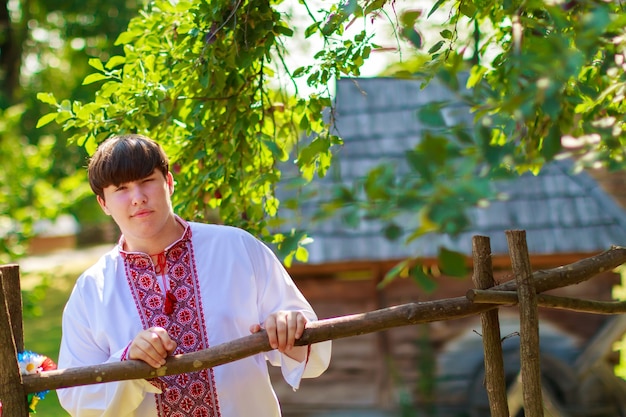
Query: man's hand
x=152, y=346
x=283, y=329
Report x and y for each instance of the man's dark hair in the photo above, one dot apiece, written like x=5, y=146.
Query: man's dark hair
x=125, y=158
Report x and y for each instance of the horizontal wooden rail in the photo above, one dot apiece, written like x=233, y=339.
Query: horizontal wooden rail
x=551, y=301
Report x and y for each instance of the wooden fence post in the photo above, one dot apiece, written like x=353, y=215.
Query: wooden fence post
x=495, y=380
x=12, y=393
x=529, y=323
x=13, y=295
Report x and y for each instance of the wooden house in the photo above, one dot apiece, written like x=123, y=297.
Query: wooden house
x=437, y=368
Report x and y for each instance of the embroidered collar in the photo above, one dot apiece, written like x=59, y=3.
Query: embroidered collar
x=142, y=260
x=186, y=236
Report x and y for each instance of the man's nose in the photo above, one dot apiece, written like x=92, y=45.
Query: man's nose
x=138, y=196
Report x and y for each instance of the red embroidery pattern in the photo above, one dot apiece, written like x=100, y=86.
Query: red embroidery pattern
x=193, y=394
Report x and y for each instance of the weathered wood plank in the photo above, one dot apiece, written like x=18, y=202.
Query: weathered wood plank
x=495, y=381
x=550, y=301
x=13, y=295
x=12, y=395
x=529, y=323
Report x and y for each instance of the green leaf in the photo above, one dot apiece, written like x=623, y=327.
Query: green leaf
x=299, y=72
x=431, y=115
x=422, y=279
x=125, y=38
x=47, y=98
x=375, y=5
x=378, y=181
x=393, y=273
x=302, y=254
x=312, y=151
x=351, y=217
x=551, y=144
x=283, y=30
x=413, y=36
x=435, y=7
x=63, y=116
x=476, y=75
x=95, y=77
x=85, y=112
x=277, y=151
x=114, y=61
x=420, y=164
x=409, y=17
x=392, y=231
x=435, y=148
x=311, y=30
x=90, y=145
x=334, y=21
x=452, y=263
x=96, y=63
x=436, y=47
x=45, y=119
x=290, y=244
x=468, y=9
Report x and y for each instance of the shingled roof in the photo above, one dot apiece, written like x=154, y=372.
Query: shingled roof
x=561, y=212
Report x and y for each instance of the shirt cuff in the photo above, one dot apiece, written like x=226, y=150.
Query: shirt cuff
x=293, y=370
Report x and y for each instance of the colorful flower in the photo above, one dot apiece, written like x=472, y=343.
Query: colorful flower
x=32, y=363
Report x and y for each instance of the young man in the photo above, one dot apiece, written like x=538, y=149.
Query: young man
x=170, y=287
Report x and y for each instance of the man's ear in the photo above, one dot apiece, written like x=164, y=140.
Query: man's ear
x=170, y=182
x=103, y=205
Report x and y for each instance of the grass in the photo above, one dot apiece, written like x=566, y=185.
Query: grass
x=44, y=296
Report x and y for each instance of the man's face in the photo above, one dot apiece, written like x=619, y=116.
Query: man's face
x=140, y=208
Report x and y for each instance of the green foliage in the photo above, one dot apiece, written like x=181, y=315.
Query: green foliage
x=543, y=80
x=41, y=176
x=199, y=77
x=556, y=80
x=196, y=77
x=25, y=194
x=449, y=263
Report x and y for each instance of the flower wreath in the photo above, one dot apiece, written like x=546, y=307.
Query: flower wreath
x=32, y=363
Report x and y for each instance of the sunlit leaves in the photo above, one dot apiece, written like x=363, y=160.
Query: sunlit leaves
x=47, y=98
x=115, y=61
x=292, y=246
x=92, y=78
x=196, y=77
x=126, y=37
x=425, y=276
x=96, y=63
x=452, y=263
x=45, y=119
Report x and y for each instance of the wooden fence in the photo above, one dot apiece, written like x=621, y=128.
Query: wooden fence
x=525, y=290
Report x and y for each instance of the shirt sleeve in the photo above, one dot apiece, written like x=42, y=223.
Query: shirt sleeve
x=78, y=349
x=277, y=291
x=293, y=371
